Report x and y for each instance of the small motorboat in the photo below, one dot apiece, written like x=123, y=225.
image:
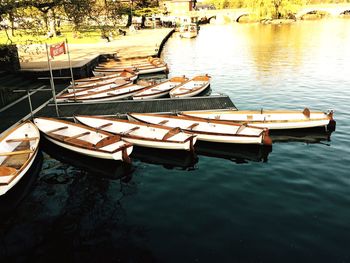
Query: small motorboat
x=18, y=149
x=188, y=30
x=84, y=140
x=272, y=119
x=141, y=134
x=208, y=130
x=159, y=90
x=191, y=88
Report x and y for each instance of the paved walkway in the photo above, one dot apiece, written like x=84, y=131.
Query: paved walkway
x=142, y=43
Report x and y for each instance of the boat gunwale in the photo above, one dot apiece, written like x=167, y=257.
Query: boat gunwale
x=30, y=158
x=263, y=130
x=192, y=135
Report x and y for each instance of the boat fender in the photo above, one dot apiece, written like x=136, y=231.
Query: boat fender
x=266, y=137
x=306, y=112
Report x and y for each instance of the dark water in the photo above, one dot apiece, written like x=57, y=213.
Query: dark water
x=228, y=204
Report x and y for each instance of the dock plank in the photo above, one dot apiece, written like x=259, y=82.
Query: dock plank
x=121, y=107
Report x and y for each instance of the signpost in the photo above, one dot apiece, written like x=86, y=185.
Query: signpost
x=54, y=51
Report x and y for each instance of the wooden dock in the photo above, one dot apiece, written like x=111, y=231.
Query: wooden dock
x=121, y=107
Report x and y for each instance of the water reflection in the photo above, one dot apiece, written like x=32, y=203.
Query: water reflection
x=309, y=136
x=169, y=159
x=12, y=198
x=75, y=213
x=234, y=152
x=106, y=168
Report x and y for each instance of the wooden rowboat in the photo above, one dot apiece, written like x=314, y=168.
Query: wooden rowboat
x=191, y=88
x=93, y=90
x=84, y=140
x=208, y=130
x=18, y=149
x=141, y=70
x=107, y=94
x=131, y=63
x=141, y=134
x=272, y=119
x=160, y=89
x=126, y=75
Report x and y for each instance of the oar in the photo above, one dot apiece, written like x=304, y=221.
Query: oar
x=15, y=153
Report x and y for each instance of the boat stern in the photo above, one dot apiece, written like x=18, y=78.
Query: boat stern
x=266, y=139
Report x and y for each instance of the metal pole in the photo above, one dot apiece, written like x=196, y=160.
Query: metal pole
x=71, y=69
x=51, y=80
x=30, y=103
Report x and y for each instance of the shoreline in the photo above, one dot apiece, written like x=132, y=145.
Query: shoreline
x=84, y=57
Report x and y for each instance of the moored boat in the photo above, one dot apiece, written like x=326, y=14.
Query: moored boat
x=208, y=130
x=18, y=149
x=139, y=70
x=105, y=95
x=272, y=119
x=160, y=89
x=141, y=134
x=86, y=91
x=126, y=74
x=84, y=140
x=191, y=87
x=188, y=30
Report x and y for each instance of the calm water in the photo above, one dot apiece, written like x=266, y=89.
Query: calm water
x=224, y=205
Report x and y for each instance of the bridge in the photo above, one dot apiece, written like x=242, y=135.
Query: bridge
x=331, y=9
x=233, y=15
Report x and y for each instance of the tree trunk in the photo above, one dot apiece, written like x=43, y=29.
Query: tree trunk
x=12, y=20
x=129, y=20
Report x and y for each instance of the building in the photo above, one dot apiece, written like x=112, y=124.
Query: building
x=177, y=6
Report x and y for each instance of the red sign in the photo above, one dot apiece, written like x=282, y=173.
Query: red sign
x=57, y=49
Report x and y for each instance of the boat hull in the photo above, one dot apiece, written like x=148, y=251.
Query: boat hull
x=273, y=120
x=111, y=156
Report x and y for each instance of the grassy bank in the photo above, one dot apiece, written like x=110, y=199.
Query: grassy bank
x=88, y=35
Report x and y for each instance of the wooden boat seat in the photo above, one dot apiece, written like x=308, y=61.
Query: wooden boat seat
x=7, y=171
x=163, y=122
x=107, y=141
x=192, y=126
x=171, y=133
x=131, y=130
x=104, y=126
x=241, y=128
x=23, y=139
x=76, y=136
x=18, y=156
x=58, y=129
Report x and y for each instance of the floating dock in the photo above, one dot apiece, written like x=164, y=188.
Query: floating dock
x=121, y=107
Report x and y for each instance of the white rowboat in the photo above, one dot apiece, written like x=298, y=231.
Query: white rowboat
x=126, y=74
x=106, y=94
x=141, y=134
x=208, y=130
x=159, y=90
x=87, y=91
x=84, y=140
x=271, y=119
x=191, y=88
x=18, y=149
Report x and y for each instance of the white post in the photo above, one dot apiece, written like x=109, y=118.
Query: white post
x=51, y=80
x=71, y=69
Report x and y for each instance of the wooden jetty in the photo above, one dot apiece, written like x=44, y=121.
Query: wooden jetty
x=121, y=107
